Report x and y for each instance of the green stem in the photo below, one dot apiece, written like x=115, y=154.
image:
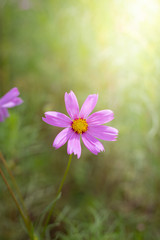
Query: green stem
x=58, y=192
x=27, y=223
x=14, y=183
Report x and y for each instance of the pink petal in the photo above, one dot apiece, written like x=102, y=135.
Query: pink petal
x=100, y=117
x=3, y=114
x=103, y=132
x=92, y=143
x=72, y=106
x=9, y=96
x=74, y=145
x=62, y=137
x=16, y=101
x=88, y=105
x=57, y=119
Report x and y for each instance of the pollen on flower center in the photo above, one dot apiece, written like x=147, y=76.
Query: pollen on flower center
x=80, y=125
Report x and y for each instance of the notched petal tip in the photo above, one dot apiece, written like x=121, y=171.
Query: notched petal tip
x=72, y=105
x=74, y=145
x=93, y=145
x=71, y=92
x=44, y=120
x=88, y=105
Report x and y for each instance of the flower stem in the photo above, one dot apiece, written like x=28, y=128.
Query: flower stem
x=57, y=194
x=25, y=219
x=14, y=183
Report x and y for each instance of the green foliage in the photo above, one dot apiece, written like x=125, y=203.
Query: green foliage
x=106, y=47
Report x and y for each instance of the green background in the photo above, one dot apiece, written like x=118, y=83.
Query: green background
x=107, y=47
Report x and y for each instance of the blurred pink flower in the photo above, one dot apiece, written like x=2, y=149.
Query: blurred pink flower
x=81, y=124
x=9, y=100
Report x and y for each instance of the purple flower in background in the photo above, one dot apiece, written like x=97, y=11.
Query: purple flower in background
x=81, y=124
x=9, y=100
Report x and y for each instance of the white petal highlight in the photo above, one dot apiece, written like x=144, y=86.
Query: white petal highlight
x=74, y=145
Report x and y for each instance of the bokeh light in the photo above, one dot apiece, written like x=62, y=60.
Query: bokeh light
x=107, y=47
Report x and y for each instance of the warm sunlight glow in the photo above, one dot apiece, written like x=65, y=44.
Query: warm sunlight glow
x=142, y=12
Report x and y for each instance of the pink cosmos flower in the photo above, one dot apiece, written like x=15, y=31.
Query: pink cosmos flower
x=9, y=100
x=80, y=124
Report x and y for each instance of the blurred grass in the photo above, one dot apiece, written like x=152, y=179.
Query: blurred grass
x=106, y=47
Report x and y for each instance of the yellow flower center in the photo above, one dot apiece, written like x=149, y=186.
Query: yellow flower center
x=80, y=125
